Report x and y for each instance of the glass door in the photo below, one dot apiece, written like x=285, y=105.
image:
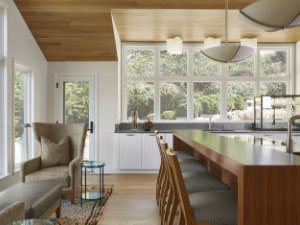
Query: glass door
x=75, y=95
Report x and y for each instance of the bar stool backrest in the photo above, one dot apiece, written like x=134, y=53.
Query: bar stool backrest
x=158, y=138
x=186, y=210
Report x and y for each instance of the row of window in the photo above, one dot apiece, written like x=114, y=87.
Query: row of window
x=192, y=87
x=21, y=96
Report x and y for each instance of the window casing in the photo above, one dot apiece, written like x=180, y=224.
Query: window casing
x=23, y=114
x=3, y=33
x=230, y=80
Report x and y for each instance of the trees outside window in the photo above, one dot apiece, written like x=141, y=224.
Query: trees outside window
x=140, y=97
x=191, y=87
x=206, y=100
x=173, y=101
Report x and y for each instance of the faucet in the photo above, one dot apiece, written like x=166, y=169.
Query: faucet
x=289, y=142
x=210, y=123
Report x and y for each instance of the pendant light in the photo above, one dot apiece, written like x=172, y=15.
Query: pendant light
x=226, y=53
x=273, y=15
x=174, y=46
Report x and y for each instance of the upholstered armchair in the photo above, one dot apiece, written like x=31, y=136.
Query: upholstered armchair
x=13, y=212
x=68, y=175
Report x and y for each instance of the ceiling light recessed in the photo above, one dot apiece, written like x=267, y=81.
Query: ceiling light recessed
x=273, y=15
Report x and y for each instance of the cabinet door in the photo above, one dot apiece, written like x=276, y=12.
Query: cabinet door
x=150, y=152
x=130, y=151
x=169, y=139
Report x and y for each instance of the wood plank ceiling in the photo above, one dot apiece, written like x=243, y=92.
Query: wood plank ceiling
x=81, y=30
x=192, y=26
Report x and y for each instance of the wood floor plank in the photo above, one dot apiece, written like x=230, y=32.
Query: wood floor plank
x=132, y=202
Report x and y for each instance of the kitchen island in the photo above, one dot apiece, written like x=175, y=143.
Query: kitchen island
x=267, y=181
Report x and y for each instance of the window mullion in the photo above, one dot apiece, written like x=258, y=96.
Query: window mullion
x=223, y=87
x=156, y=85
x=190, y=85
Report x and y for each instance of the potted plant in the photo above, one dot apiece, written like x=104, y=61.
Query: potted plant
x=148, y=124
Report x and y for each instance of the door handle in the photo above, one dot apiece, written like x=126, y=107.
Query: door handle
x=91, y=129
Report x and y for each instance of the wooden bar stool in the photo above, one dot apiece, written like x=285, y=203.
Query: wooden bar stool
x=201, y=208
x=195, y=182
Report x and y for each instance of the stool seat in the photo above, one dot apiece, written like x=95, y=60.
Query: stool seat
x=191, y=165
x=184, y=155
x=215, y=207
x=197, y=182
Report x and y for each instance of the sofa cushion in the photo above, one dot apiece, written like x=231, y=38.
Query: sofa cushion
x=38, y=197
x=54, y=154
x=12, y=213
x=58, y=173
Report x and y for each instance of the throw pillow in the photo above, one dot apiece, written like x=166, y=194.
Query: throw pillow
x=53, y=154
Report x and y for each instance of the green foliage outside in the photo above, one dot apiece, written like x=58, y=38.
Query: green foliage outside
x=244, y=68
x=273, y=63
x=237, y=95
x=76, y=102
x=173, y=65
x=206, y=98
x=273, y=88
x=140, y=63
x=204, y=66
x=173, y=97
x=140, y=97
x=19, y=104
x=168, y=115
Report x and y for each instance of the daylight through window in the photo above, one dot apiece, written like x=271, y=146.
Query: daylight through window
x=191, y=87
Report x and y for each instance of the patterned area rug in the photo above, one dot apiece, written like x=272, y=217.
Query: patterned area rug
x=88, y=214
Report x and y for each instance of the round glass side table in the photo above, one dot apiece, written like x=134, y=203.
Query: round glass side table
x=33, y=222
x=92, y=194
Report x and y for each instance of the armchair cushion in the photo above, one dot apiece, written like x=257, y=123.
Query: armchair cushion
x=53, y=154
x=58, y=173
x=13, y=212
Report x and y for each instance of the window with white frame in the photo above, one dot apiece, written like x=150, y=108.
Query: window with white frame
x=22, y=114
x=191, y=87
x=3, y=33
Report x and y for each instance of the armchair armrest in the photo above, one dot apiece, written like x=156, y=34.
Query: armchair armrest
x=13, y=212
x=74, y=167
x=30, y=166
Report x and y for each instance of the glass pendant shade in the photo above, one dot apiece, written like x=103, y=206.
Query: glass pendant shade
x=272, y=15
x=228, y=53
x=174, y=46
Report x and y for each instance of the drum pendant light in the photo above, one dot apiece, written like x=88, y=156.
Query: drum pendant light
x=226, y=52
x=273, y=15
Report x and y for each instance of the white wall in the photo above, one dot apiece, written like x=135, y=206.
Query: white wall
x=107, y=92
x=22, y=47
x=297, y=68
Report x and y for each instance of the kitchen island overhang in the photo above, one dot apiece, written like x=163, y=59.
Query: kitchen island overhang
x=267, y=181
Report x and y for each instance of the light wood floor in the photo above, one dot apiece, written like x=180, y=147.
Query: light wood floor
x=132, y=202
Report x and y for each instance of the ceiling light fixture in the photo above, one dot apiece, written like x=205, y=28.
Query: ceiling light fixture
x=174, y=46
x=211, y=42
x=273, y=15
x=226, y=53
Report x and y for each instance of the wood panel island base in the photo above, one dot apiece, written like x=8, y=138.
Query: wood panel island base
x=267, y=181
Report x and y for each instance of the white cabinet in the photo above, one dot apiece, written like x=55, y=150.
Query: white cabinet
x=130, y=151
x=150, y=152
x=139, y=151
x=169, y=139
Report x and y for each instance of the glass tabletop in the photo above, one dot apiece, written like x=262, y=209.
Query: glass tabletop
x=33, y=222
x=92, y=164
